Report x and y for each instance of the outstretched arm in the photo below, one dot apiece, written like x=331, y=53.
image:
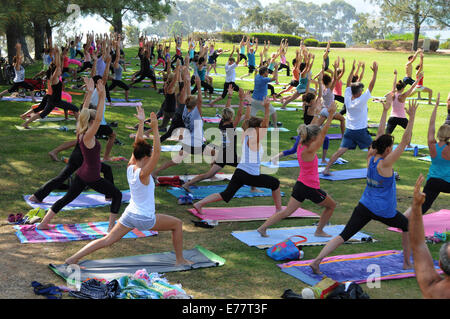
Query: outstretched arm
x=350, y=76
x=150, y=166
x=426, y=274
x=432, y=128
x=374, y=76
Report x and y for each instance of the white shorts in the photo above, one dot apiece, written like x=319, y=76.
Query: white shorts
x=139, y=222
x=258, y=105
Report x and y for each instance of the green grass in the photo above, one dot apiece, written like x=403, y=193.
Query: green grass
x=248, y=272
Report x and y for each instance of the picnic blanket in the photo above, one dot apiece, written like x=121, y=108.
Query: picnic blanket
x=70, y=232
x=84, y=200
x=356, y=267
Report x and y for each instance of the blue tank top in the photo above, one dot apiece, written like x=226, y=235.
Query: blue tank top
x=440, y=167
x=380, y=195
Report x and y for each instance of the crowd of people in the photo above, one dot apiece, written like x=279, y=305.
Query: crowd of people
x=185, y=77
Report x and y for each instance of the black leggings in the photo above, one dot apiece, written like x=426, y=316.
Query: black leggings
x=393, y=122
x=86, y=65
x=271, y=88
x=42, y=104
x=102, y=186
x=142, y=75
x=204, y=85
x=432, y=189
x=18, y=85
x=61, y=104
x=174, y=61
x=75, y=162
x=341, y=99
x=225, y=88
x=177, y=122
x=241, y=178
x=284, y=66
x=120, y=84
x=362, y=216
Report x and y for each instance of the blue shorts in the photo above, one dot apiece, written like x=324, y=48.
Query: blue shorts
x=353, y=138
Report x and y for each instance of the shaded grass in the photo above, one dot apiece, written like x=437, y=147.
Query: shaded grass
x=248, y=272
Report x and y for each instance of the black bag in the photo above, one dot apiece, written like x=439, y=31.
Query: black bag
x=94, y=289
x=348, y=291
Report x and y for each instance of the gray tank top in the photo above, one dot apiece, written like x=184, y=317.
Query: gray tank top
x=20, y=75
x=118, y=73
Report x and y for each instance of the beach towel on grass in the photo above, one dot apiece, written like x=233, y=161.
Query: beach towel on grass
x=435, y=222
x=346, y=174
x=294, y=163
x=425, y=158
x=246, y=213
x=216, y=178
x=114, y=268
x=276, y=235
x=84, y=200
x=200, y=192
x=70, y=232
x=357, y=267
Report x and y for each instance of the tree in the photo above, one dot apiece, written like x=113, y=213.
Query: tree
x=113, y=11
x=415, y=13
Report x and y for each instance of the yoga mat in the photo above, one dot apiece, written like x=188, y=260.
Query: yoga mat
x=84, y=200
x=420, y=147
x=216, y=178
x=294, y=163
x=114, y=268
x=276, y=235
x=247, y=213
x=346, y=174
x=127, y=104
x=211, y=119
x=55, y=119
x=355, y=267
x=291, y=109
x=123, y=100
x=334, y=136
x=28, y=234
x=270, y=129
x=20, y=99
x=434, y=222
x=425, y=158
x=200, y=192
x=46, y=127
x=171, y=148
x=221, y=105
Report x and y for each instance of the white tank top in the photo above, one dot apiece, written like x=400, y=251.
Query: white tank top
x=250, y=160
x=142, y=200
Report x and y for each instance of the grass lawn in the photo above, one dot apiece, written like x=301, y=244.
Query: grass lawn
x=248, y=272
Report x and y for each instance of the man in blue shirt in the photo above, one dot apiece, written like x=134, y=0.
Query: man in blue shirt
x=260, y=92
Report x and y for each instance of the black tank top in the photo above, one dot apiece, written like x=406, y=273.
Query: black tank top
x=170, y=103
x=56, y=92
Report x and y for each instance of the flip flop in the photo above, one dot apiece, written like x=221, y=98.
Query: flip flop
x=202, y=224
x=48, y=290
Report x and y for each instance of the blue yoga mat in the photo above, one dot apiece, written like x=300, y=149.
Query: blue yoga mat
x=425, y=158
x=294, y=163
x=420, y=147
x=200, y=192
x=346, y=174
x=277, y=235
x=171, y=148
x=84, y=200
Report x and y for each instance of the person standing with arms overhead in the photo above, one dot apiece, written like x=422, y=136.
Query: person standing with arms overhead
x=262, y=81
x=356, y=133
x=409, y=68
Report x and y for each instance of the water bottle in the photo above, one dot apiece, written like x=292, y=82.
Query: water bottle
x=63, y=128
x=301, y=255
x=416, y=151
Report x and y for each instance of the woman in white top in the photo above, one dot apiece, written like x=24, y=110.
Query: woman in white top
x=248, y=170
x=140, y=213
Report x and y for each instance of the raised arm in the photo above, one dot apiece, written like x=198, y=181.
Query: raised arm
x=237, y=117
x=374, y=76
x=394, y=85
x=432, y=128
x=318, y=142
x=90, y=86
x=89, y=136
x=389, y=161
x=361, y=76
x=350, y=76
x=150, y=166
x=199, y=95
x=426, y=274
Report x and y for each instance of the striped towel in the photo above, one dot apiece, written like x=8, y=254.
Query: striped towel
x=70, y=232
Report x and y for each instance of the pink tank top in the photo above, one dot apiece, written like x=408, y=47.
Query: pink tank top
x=338, y=88
x=309, y=171
x=283, y=59
x=398, y=108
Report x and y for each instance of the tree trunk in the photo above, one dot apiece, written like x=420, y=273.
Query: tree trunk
x=12, y=36
x=26, y=54
x=117, y=21
x=39, y=34
x=48, y=32
x=416, y=34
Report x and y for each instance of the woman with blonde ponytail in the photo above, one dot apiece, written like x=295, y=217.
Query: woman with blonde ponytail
x=89, y=172
x=308, y=183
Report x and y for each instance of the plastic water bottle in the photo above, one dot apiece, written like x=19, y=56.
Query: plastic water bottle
x=301, y=255
x=416, y=151
x=63, y=128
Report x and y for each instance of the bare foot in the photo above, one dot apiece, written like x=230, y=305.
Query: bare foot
x=321, y=234
x=407, y=265
x=71, y=261
x=183, y=261
x=53, y=156
x=198, y=208
x=262, y=232
x=256, y=190
x=42, y=227
x=34, y=199
x=326, y=172
x=26, y=126
x=186, y=188
x=315, y=268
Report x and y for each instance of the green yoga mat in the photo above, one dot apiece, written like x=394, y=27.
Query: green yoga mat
x=114, y=268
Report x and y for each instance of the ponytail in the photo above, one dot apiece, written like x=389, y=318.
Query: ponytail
x=83, y=120
x=382, y=143
x=307, y=132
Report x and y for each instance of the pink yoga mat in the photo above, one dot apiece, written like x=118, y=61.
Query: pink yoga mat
x=246, y=213
x=434, y=222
